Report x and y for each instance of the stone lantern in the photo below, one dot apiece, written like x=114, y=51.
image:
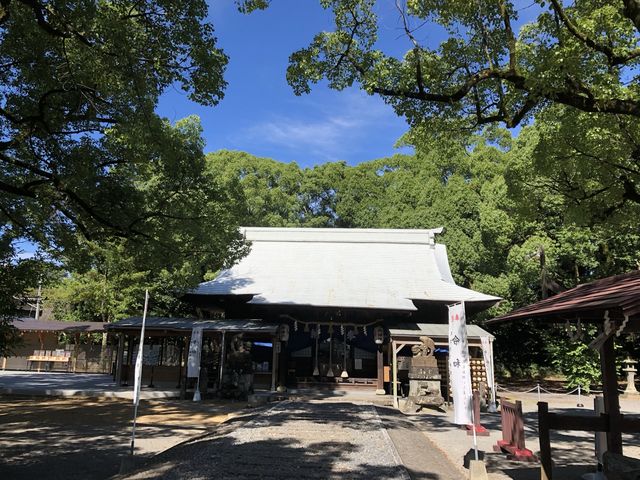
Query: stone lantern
x=629, y=368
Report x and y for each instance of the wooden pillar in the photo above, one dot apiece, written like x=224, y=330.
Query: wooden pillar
x=380, y=378
x=41, y=349
x=119, y=359
x=180, y=349
x=610, y=393
x=274, y=363
x=183, y=369
x=75, y=352
x=282, y=368
x=4, y=363
x=223, y=354
x=394, y=379
x=130, y=366
x=546, y=464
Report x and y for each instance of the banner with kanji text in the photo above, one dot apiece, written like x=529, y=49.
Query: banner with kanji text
x=459, y=366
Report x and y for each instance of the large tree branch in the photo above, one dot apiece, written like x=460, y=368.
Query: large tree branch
x=612, y=57
x=41, y=18
x=574, y=95
x=631, y=10
x=14, y=190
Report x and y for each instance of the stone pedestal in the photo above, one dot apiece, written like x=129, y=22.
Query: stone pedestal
x=424, y=379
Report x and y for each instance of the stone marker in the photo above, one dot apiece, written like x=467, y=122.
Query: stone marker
x=424, y=378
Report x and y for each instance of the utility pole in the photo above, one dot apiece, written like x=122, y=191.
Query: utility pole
x=38, y=299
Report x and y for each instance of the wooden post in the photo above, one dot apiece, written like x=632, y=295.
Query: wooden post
x=223, y=354
x=75, y=352
x=130, y=366
x=274, y=363
x=380, y=379
x=610, y=393
x=394, y=378
x=546, y=465
x=4, y=363
x=183, y=369
x=180, y=348
x=282, y=367
x=41, y=348
x=119, y=359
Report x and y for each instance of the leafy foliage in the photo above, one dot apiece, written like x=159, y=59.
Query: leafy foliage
x=490, y=67
x=85, y=162
x=579, y=363
x=505, y=237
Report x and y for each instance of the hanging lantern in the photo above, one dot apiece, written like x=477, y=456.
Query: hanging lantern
x=378, y=335
x=283, y=332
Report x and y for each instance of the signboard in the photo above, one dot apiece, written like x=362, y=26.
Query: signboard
x=195, y=350
x=459, y=366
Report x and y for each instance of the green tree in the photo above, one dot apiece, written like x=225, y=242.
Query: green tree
x=83, y=155
x=270, y=190
x=490, y=67
x=80, y=82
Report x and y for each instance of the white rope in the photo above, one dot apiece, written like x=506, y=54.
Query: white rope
x=549, y=392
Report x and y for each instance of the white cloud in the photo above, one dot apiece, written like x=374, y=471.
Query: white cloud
x=327, y=130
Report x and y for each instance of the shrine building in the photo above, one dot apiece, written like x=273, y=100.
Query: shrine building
x=346, y=301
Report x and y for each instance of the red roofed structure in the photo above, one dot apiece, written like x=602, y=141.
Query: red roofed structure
x=612, y=303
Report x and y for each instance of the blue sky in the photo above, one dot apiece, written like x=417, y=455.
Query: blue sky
x=261, y=115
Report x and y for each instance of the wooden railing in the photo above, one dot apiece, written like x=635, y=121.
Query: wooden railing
x=583, y=423
x=513, y=432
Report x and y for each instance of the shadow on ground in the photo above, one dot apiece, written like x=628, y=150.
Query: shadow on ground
x=297, y=441
x=85, y=439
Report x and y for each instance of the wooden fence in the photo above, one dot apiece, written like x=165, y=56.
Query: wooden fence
x=584, y=423
x=513, y=432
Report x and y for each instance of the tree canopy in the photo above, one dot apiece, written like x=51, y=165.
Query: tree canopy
x=85, y=161
x=491, y=67
x=79, y=85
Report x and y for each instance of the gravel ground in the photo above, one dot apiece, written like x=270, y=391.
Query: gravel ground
x=301, y=440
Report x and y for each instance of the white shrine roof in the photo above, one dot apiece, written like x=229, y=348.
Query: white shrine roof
x=349, y=268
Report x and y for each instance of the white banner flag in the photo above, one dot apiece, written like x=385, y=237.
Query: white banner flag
x=487, y=354
x=195, y=348
x=488, y=361
x=459, y=366
x=137, y=378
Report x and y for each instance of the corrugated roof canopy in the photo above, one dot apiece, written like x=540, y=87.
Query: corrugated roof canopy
x=437, y=331
x=619, y=296
x=32, y=325
x=344, y=268
x=187, y=324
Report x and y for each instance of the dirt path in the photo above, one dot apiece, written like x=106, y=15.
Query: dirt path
x=75, y=438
